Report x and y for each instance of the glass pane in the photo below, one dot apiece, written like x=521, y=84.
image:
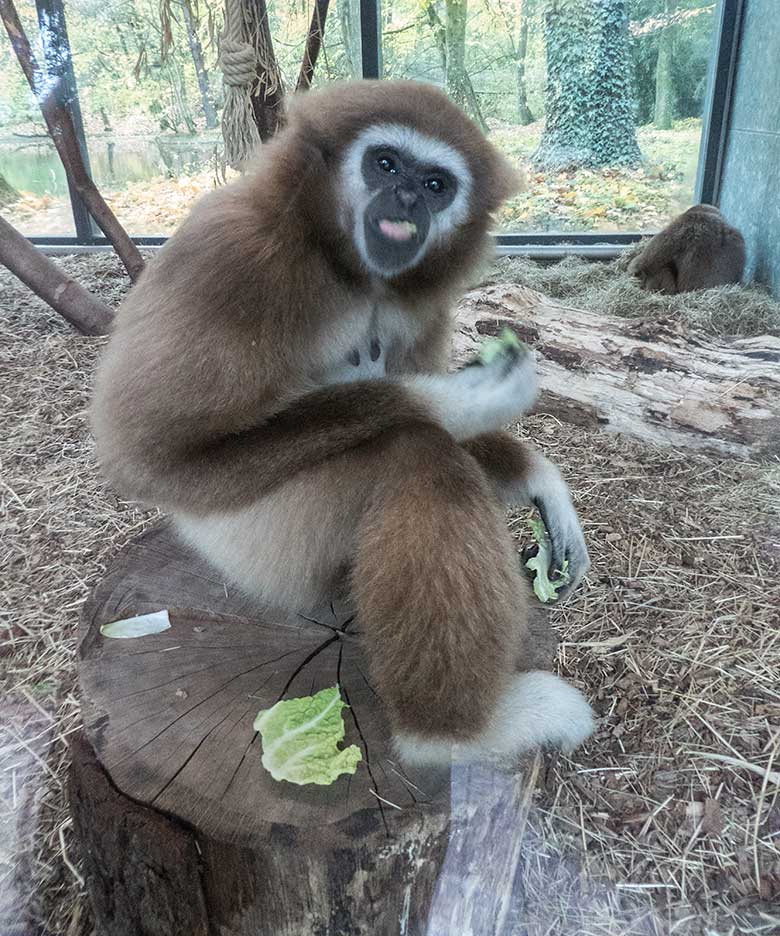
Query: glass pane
x=33, y=191
x=599, y=101
x=150, y=93
x=339, y=56
x=151, y=116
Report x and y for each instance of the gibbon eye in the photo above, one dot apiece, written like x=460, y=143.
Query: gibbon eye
x=386, y=164
x=435, y=185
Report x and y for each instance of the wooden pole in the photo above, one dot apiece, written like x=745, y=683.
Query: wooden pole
x=47, y=280
x=61, y=129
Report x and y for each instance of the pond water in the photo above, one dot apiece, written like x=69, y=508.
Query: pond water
x=32, y=164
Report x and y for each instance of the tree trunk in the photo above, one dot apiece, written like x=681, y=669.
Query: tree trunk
x=524, y=115
x=566, y=141
x=664, y=88
x=612, y=106
x=8, y=194
x=439, y=33
x=456, y=78
x=349, y=19
x=267, y=90
x=201, y=72
x=47, y=280
x=184, y=832
x=651, y=380
x=58, y=57
x=63, y=134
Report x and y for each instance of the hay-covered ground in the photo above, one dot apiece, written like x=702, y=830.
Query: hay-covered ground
x=668, y=821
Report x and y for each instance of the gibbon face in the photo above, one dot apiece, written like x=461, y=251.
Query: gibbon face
x=406, y=191
x=407, y=184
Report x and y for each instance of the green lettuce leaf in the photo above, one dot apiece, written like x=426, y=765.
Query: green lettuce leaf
x=492, y=347
x=139, y=626
x=544, y=589
x=301, y=737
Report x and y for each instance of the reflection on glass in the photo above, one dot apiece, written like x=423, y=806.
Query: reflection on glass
x=599, y=101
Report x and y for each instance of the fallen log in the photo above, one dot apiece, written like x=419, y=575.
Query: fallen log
x=654, y=380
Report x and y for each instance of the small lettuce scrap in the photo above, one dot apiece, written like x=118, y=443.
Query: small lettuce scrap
x=142, y=625
x=492, y=347
x=545, y=589
x=301, y=738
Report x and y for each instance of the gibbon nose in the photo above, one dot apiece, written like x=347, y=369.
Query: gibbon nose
x=406, y=196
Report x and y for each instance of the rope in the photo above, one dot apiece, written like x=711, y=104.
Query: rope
x=239, y=60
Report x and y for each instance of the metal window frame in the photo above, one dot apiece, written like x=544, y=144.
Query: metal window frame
x=718, y=100
x=716, y=115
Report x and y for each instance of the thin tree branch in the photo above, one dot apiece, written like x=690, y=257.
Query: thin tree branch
x=313, y=44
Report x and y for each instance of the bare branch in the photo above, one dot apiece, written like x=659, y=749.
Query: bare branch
x=47, y=280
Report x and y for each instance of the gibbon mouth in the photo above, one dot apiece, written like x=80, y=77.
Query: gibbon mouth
x=396, y=229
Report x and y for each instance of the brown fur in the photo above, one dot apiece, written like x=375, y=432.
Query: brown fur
x=210, y=402
x=439, y=680
x=698, y=250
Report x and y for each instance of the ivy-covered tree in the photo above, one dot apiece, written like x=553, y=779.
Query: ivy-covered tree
x=590, y=111
x=566, y=141
x=612, y=110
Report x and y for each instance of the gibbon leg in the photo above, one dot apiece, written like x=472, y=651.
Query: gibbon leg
x=293, y=547
x=439, y=594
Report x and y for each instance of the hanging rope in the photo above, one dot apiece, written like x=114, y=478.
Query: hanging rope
x=249, y=68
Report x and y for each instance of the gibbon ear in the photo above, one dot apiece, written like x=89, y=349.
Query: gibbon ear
x=309, y=134
x=510, y=179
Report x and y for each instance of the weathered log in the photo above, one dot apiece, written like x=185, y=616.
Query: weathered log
x=89, y=315
x=63, y=134
x=653, y=380
x=182, y=829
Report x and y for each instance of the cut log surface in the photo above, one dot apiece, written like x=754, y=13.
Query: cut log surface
x=652, y=380
x=169, y=770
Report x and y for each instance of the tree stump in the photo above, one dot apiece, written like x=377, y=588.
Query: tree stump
x=184, y=832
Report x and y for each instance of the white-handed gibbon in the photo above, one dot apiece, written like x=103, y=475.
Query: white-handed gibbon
x=277, y=381
x=698, y=250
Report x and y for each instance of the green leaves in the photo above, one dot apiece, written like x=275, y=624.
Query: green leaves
x=301, y=738
x=545, y=589
x=492, y=347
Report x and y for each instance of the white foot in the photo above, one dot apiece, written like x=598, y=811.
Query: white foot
x=538, y=710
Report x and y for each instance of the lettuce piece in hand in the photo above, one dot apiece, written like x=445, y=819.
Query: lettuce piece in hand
x=492, y=347
x=545, y=589
x=301, y=737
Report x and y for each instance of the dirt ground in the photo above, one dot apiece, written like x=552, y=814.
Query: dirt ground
x=667, y=821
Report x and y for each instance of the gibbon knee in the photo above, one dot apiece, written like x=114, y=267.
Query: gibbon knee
x=443, y=610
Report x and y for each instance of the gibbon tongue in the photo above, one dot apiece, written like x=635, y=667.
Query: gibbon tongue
x=398, y=230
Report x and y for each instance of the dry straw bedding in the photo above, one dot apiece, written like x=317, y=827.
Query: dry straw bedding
x=668, y=821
